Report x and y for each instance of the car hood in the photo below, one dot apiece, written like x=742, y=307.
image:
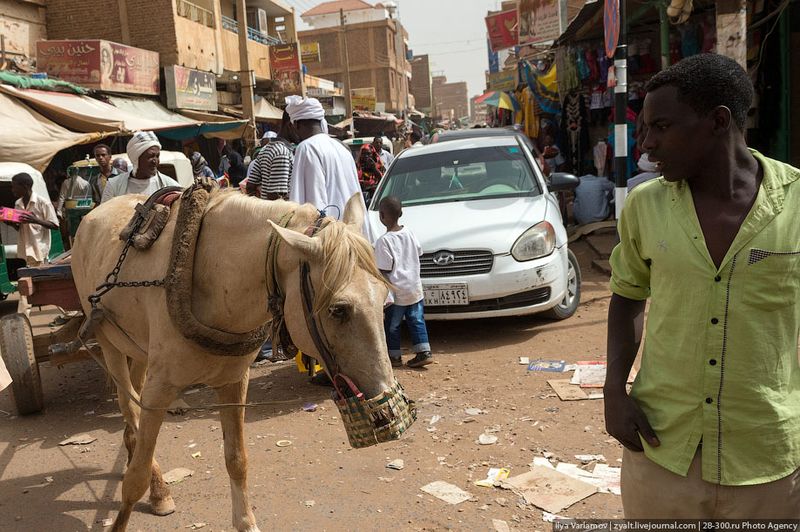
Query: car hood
x=493, y=224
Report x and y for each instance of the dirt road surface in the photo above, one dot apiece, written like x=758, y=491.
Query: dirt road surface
x=319, y=482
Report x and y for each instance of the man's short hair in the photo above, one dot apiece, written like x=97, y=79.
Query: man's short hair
x=706, y=81
x=23, y=179
x=308, y=122
x=391, y=206
x=101, y=145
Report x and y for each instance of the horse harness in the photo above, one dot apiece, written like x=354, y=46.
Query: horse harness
x=280, y=335
x=276, y=299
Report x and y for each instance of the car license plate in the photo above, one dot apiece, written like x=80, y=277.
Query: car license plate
x=440, y=295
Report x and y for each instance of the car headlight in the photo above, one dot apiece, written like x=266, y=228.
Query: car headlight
x=538, y=241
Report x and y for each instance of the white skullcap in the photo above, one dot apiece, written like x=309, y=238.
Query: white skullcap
x=300, y=108
x=270, y=135
x=140, y=143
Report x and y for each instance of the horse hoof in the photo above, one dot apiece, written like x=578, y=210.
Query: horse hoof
x=163, y=507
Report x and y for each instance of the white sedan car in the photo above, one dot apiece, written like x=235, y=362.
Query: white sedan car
x=491, y=231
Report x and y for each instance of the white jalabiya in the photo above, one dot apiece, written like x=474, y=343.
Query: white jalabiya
x=324, y=175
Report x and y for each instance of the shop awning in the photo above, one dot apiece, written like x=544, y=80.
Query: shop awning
x=496, y=99
x=185, y=127
x=28, y=137
x=85, y=114
x=263, y=111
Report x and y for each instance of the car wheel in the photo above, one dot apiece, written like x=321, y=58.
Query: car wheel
x=572, y=299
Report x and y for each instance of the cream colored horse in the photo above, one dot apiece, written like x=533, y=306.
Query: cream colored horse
x=150, y=359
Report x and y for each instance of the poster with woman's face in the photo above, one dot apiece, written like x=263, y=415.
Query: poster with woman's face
x=106, y=61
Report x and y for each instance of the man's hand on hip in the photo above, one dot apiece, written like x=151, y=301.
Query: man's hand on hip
x=625, y=421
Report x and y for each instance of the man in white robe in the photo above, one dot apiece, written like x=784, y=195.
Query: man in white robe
x=324, y=172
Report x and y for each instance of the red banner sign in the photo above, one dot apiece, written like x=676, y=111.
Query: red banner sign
x=284, y=63
x=101, y=65
x=503, y=29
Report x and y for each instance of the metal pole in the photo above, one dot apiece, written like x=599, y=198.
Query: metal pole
x=620, y=113
x=344, y=57
x=245, y=75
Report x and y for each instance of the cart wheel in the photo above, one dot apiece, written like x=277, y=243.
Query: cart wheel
x=16, y=346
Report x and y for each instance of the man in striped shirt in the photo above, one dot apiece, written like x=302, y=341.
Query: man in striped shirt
x=272, y=168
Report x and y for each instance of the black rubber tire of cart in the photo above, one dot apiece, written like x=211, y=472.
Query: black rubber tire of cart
x=16, y=346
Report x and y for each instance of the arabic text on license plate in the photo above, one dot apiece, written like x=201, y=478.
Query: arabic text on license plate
x=446, y=294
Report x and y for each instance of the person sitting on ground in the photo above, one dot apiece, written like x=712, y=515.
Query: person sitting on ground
x=143, y=150
x=397, y=255
x=33, y=242
x=592, y=199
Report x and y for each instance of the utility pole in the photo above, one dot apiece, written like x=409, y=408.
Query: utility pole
x=246, y=78
x=344, y=57
x=620, y=113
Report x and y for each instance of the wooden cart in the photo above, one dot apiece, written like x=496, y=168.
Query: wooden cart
x=22, y=351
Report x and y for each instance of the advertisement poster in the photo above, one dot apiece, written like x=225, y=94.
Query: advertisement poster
x=101, y=65
x=309, y=52
x=284, y=62
x=539, y=21
x=363, y=99
x=190, y=89
x=503, y=30
x=505, y=80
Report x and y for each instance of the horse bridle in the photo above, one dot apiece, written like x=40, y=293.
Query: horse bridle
x=277, y=301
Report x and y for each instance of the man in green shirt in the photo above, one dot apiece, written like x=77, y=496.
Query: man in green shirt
x=711, y=428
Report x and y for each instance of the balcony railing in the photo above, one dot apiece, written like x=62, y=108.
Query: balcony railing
x=195, y=13
x=252, y=33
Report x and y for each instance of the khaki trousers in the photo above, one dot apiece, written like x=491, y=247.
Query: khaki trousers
x=651, y=492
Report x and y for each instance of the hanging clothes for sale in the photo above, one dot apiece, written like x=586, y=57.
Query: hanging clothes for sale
x=575, y=138
x=530, y=121
x=568, y=79
x=544, y=87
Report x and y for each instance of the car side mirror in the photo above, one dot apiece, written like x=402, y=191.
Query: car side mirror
x=560, y=181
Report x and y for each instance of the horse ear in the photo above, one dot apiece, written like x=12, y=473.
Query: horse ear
x=354, y=212
x=300, y=242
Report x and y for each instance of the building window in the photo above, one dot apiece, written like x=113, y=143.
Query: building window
x=195, y=13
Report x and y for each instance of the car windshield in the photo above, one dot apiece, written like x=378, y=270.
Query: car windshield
x=460, y=175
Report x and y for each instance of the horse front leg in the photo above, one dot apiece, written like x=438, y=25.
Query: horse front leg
x=142, y=469
x=236, y=453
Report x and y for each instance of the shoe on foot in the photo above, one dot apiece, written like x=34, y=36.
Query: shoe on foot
x=397, y=362
x=321, y=379
x=422, y=359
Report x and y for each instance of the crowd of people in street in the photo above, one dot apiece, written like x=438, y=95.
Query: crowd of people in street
x=710, y=427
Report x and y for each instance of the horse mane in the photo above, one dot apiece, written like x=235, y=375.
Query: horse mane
x=343, y=249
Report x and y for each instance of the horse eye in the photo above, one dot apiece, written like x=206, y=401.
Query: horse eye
x=340, y=311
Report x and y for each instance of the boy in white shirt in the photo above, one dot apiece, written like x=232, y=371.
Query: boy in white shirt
x=397, y=254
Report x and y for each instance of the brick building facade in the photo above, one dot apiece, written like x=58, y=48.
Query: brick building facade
x=450, y=100
x=421, y=84
x=377, y=48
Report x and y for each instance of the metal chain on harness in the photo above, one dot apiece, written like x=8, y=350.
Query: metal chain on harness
x=111, y=278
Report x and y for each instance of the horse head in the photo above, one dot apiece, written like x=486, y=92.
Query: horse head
x=333, y=308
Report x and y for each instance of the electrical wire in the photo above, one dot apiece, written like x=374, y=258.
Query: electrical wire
x=777, y=15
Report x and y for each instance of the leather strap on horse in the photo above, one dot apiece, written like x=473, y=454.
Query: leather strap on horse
x=278, y=332
x=178, y=285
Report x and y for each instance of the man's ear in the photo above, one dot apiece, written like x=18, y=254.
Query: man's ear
x=722, y=119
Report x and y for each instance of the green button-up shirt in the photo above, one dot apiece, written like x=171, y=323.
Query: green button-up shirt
x=720, y=360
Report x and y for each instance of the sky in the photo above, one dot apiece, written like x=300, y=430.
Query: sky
x=451, y=32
